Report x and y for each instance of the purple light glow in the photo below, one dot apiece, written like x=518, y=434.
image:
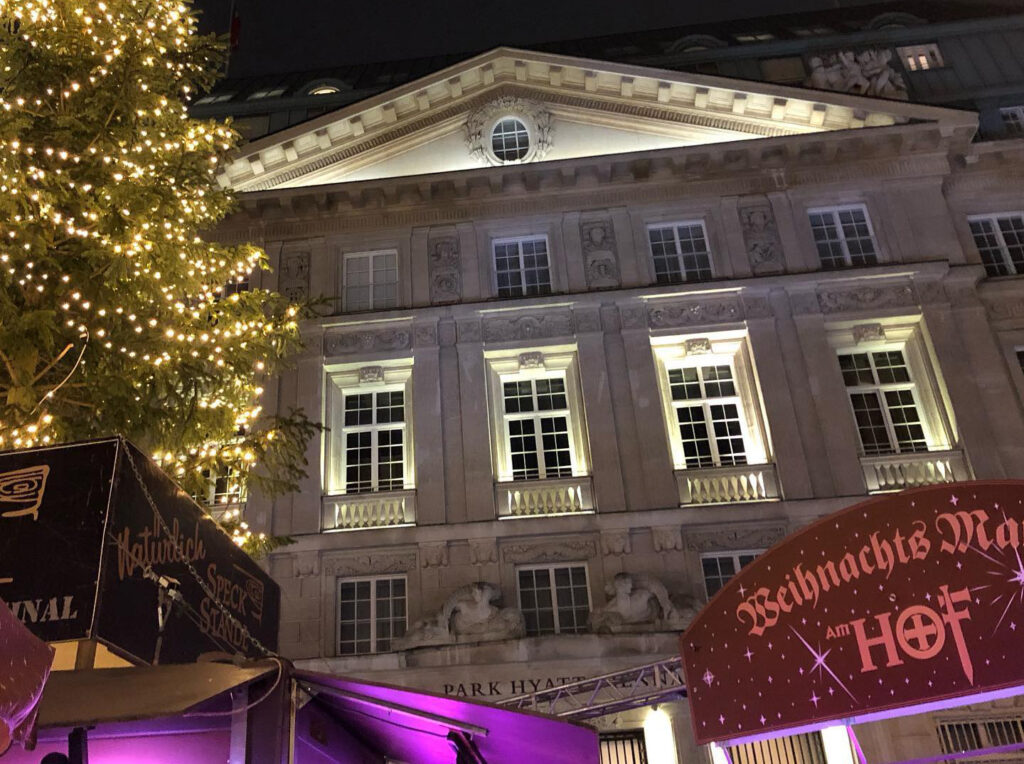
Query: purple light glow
x=142, y=748
x=892, y=713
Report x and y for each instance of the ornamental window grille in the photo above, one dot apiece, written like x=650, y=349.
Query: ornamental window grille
x=709, y=415
x=884, y=400
x=521, y=266
x=374, y=430
x=371, y=613
x=680, y=252
x=843, y=237
x=537, y=427
x=1000, y=242
x=370, y=281
x=555, y=599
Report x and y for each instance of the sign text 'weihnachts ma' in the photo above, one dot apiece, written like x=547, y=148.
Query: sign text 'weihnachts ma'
x=77, y=533
x=908, y=599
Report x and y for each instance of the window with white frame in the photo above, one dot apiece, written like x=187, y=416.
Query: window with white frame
x=555, y=599
x=719, y=567
x=920, y=58
x=371, y=613
x=537, y=415
x=711, y=405
x=521, y=266
x=1000, y=242
x=370, y=280
x=893, y=387
x=369, y=441
x=843, y=236
x=222, y=487
x=884, y=402
x=680, y=252
x=803, y=748
x=1013, y=119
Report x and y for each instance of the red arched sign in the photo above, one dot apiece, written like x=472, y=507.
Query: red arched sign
x=908, y=599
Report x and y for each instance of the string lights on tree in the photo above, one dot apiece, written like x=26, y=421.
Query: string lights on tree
x=114, y=312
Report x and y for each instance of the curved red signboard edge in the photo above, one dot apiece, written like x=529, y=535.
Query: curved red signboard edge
x=900, y=604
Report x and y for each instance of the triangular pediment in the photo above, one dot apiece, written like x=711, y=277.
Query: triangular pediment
x=562, y=107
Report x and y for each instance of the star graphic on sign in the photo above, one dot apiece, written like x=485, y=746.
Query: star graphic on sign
x=721, y=719
x=954, y=500
x=708, y=677
x=814, y=699
x=742, y=590
x=748, y=654
x=821, y=662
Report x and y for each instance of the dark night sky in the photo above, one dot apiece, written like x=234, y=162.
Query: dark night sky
x=291, y=35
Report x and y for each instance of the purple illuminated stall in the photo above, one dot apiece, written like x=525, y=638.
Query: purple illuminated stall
x=260, y=712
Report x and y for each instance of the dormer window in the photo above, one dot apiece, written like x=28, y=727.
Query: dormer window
x=510, y=140
x=324, y=90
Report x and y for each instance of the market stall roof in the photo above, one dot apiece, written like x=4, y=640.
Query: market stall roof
x=417, y=726
x=88, y=698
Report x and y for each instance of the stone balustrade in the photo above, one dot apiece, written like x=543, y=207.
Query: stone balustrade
x=894, y=472
x=728, y=485
x=535, y=498
x=361, y=511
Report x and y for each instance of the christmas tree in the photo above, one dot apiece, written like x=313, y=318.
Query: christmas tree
x=118, y=313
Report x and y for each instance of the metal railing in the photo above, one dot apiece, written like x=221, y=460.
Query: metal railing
x=368, y=510
x=536, y=498
x=727, y=485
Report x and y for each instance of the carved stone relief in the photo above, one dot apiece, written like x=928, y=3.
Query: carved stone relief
x=371, y=375
x=294, y=277
x=868, y=333
x=694, y=313
x=698, y=346
x=867, y=72
x=528, y=327
x=738, y=537
x=761, y=238
x=434, y=555
x=548, y=551
x=538, y=121
x=372, y=562
x=445, y=268
x=616, y=542
x=532, y=360
x=483, y=551
x=344, y=343
x=600, y=254
x=866, y=298
x=667, y=538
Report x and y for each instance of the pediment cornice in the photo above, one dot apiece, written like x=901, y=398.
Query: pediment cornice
x=611, y=94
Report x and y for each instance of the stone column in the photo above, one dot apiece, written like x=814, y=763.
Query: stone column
x=655, y=457
x=476, y=442
x=428, y=440
x=606, y=466
x=774, y=385
x=451, y=415
x=826, y=396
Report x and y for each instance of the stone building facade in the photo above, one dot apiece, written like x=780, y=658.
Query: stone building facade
x=593, y=335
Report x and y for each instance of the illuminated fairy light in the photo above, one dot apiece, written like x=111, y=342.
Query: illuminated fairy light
x=107, y=277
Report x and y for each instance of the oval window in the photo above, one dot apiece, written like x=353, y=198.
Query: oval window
x=510, y=140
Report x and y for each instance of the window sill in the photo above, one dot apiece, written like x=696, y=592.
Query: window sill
x=894, y=472
x=544, y=498
x=727, y=485
x=363, y=511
